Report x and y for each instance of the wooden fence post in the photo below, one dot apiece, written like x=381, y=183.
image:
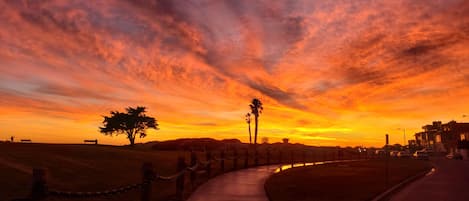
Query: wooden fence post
x=340, y=153
x=280, y=154
x=193, y=163
x=268, y=156
x=208, y=155
x=39, y=185
x=313, y=158
x=256, y=157
x=181, y=166
x=147, y=176
x=304, y=157
x=291, y=158
x=246, y=158
x=235, y=159
x=222, y=160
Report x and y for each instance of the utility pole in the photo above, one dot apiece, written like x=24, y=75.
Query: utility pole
x=386, y=171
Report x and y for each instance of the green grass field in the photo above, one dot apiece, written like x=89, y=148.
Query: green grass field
x=340, y=182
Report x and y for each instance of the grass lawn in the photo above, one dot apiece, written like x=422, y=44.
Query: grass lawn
x=82, y=167
x=339, y=182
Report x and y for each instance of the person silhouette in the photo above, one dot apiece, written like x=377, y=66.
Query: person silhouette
x=12, y=138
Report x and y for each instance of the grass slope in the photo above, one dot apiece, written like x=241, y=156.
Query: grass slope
x=340, y=182
x=81, y=168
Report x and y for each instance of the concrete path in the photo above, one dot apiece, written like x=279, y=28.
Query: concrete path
x=241, y=185
x=450, y=182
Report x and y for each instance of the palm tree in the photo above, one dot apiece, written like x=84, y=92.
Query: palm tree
x=248, y=120
x=256, y=109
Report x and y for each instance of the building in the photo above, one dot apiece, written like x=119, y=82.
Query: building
x=412, y=143
x=442, y=137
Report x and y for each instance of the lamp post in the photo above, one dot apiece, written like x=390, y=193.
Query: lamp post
x=386, y=170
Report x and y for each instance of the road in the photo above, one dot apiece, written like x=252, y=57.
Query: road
x=450, y=182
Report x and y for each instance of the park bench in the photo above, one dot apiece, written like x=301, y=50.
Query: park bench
x=26, y=140
x=91, y=141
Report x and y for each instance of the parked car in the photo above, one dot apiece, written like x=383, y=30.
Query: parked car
x=393, y=153
x=455, y=156
x=380, y=152
x=428, y=150
x=403, y=154
x=422, y=155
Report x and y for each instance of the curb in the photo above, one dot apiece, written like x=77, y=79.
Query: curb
x=386, y=194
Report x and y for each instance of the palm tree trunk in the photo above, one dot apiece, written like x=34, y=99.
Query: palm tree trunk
x=256, y=159
x=250, y=138
x=255, y=130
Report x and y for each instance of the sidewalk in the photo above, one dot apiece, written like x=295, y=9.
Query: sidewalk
x=242, y=185
x=449, y=182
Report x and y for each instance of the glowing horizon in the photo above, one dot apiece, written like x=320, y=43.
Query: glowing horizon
x=328, y=73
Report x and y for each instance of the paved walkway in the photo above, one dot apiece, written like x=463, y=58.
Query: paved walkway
x=241, y=185
x=450, y=182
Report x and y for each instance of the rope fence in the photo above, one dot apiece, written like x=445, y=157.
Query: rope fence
x=196, y=169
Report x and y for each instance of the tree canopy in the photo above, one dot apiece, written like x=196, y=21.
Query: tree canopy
x=133, y=122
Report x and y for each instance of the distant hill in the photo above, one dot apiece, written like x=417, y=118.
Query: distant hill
x=194, y=143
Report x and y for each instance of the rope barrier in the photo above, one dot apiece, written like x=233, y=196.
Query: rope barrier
x=232, y=158
x=201, y=172
x=193, y=168
x=79, y=194
x=168, y=178
x=205, y=163
x=200, y=167
x=219, y=159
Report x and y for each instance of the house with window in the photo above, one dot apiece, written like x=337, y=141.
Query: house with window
x=442, y=137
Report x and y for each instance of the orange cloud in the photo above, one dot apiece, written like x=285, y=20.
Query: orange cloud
x=329, y=73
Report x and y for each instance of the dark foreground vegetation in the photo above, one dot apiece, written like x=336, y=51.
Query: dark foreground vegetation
x=72, y=167
x=350, y=181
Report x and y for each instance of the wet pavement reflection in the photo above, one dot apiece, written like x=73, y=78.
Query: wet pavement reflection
x=244, y=185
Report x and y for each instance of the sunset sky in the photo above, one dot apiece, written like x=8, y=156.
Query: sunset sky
x=328, y=72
